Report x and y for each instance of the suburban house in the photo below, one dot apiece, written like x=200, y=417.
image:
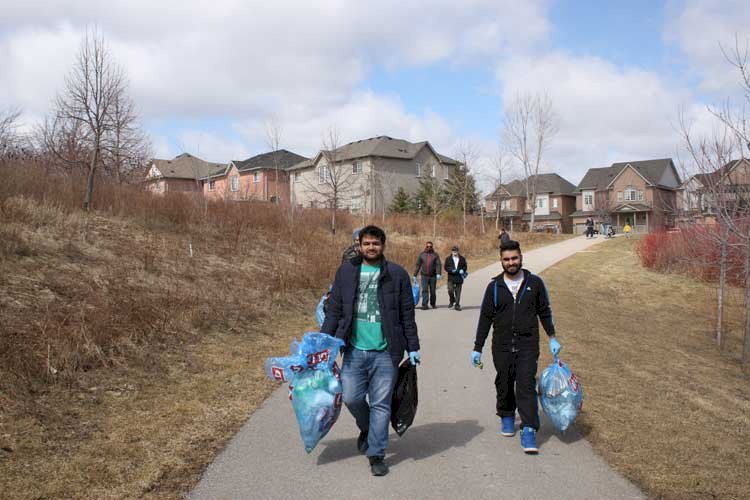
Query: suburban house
x=366, y=174
x=555, y=201
x=182, y=174
x=264, y=177
x=640, y=193
x=702, y=194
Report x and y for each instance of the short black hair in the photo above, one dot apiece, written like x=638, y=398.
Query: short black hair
x=372, y=231
x=429, y=243
x=510, y=245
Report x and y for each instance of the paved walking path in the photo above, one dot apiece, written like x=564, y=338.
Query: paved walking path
x=451, y=451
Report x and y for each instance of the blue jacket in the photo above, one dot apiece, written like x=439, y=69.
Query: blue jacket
x=396, y=306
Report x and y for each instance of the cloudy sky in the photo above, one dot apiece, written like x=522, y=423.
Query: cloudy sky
x=208, y=75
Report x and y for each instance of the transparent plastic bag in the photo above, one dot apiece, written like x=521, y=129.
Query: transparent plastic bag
x=415, y=291
x=320, y=312
x=561, y=394
x=314, y=384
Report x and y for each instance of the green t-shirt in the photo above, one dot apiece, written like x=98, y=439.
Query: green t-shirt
x=368, y=334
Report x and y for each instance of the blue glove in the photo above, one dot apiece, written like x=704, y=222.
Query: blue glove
x=438, y=277
x=554, y=347
x=476, y=358
x=414, y=357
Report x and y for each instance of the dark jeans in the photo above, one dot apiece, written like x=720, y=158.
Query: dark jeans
x=428, y=290
x=369, y=374
x=454, y=292
x=515, y=384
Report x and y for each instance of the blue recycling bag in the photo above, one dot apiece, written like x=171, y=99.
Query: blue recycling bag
x=314, y=384
x=561, y=394
x=415, y=291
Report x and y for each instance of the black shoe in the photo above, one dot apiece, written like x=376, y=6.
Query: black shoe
x=378, y=467
x=450, y=306
x=458, y=308
x=433, y=306
x=362, y=442
x=424, y=308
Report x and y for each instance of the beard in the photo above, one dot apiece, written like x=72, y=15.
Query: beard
x=513, y=269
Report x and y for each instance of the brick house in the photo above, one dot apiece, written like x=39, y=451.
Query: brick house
x=182, y=174
x=264, y=177
x=697, y=197
x=640, y=193
x=370, y=172
x=555, y=201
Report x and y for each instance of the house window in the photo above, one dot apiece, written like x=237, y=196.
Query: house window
x=159, y=186
x=630, y=193
x=419, y=169
x=256, y=176
x=554, y=202
x=235, y=183
x=540, y=203
x=433, y=170
x=357, y=167
x=505, y=204
x=323, y=174
x=446, y=172
x=211, y=185
x=296, y=176
x=619, y=196
x=588, y=200
x=640, y=195
x=355, y=205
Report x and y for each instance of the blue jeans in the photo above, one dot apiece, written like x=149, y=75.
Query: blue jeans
x=371, y=374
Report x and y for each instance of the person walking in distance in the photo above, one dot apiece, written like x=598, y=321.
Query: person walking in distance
x=352, y=251
x=514, y=303
x=504, y=236
x=589, y=227
x=428, y=263
x=372, y=309
x=455, y=266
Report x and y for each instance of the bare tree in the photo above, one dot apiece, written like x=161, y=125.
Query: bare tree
x=64, y=143
x=499, y=177
x=274, y=133
x=431, y=197
x=93, y=87
x=530, y=123
x=124, y=146
x=9, y=137
x=467, y=154
x=335, y=179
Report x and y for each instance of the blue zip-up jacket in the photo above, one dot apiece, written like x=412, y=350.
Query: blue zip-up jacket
x=396, y=306
x=514, y=323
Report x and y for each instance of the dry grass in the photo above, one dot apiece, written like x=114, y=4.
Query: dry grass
x=125, y=364
x=662, y=404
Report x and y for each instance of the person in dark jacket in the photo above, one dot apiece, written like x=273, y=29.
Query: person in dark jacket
x=428, y=263
x=514, y=303
x=504, y=237
x=455, y=266
x=589, y=227
x=372, y=309
x=352, y=251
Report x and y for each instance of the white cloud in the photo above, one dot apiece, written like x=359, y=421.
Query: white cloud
x=700, y=28
x=607, y=114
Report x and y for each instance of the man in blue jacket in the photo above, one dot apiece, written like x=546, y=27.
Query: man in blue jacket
x=372, y=309
x=514, y=303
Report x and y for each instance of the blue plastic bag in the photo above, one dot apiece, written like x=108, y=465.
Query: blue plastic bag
x=314, y=384
x=415, y=291
x=561, y=394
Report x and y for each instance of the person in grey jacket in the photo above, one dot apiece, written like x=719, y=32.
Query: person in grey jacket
x=428, y=263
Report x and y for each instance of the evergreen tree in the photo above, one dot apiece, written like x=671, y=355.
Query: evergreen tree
x=455, y=186
x=402, y=202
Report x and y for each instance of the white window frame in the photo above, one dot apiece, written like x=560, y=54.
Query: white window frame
x=323, y=174
x=434, y=170
x=447, y=172
x=296, y=176
x=540, y=202
x=211, y=184
x=631, y=194
x=554, y=202
x=640, y=195
x=357, y=167
x=256, y=177
x=234, y=183
x=619, y=196
x=588, y=200
x=355, y=205
x=419, y=169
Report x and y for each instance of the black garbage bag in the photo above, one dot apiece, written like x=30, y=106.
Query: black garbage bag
x=404, y=401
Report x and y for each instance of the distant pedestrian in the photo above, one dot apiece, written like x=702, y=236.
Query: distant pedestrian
x=352, y=251
x=504, y=237
x=455, y=266
x=372, y=310
x=627, y=229
x=428, y=264
x=514, y=304
x=589, y=227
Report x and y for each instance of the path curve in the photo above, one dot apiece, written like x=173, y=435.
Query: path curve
x=451, y=451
